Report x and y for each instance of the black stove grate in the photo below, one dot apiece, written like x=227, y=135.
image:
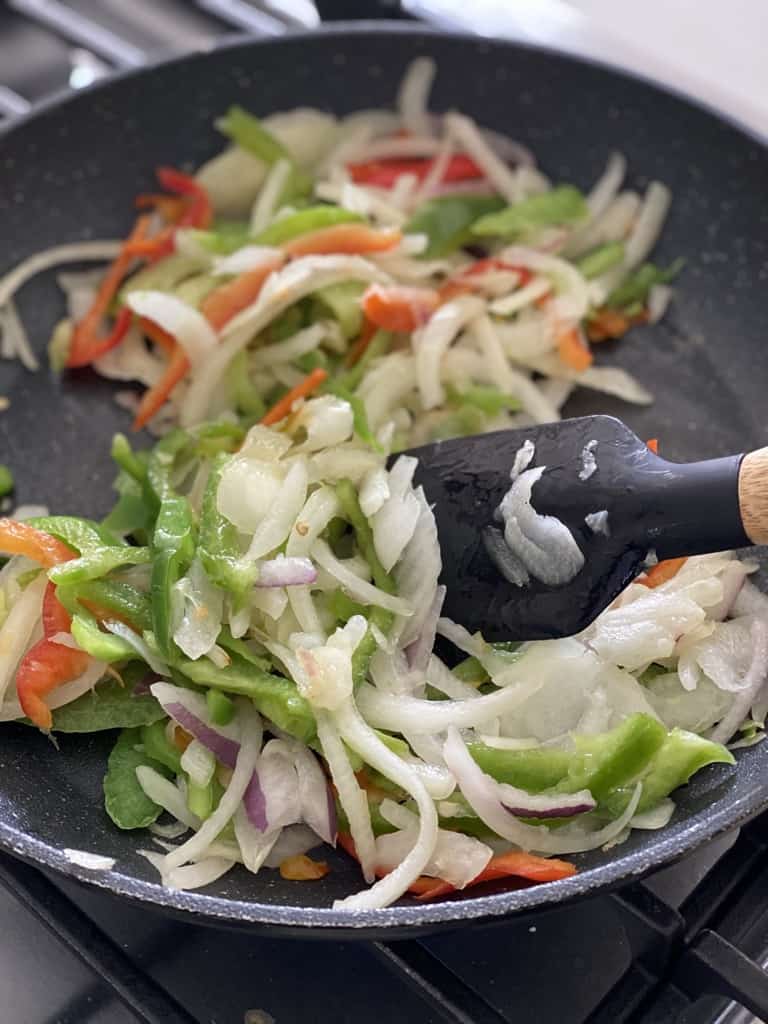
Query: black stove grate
x=691, y=963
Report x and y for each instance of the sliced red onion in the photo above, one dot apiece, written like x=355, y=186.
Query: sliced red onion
x=190, y=711
x=419, y=651
x=286, y=572
x=278, y=781
x=318, y=807
x=544, y=807
x=256, y=804
x=486, y=797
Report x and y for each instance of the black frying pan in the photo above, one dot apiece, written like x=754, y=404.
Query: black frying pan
x=70, y=172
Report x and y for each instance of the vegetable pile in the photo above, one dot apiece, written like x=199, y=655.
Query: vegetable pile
x=257, y=614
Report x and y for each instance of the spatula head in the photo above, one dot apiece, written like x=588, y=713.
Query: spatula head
x=645, y=497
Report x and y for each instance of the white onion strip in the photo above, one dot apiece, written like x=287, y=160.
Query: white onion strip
x=538, y=838
x=73, y=252
x=361, y=738
x=232, y=796
x=360, y=590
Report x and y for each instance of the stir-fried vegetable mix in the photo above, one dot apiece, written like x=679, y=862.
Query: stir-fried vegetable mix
x=257, y=614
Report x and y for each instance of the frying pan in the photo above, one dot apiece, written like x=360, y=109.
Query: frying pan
x=70, y=171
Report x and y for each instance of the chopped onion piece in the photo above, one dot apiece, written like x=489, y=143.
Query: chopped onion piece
x=91, y=861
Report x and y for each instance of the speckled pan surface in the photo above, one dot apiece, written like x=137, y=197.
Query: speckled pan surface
x=70, y=172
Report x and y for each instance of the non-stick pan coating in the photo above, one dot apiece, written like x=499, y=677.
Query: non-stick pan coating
x=70, y=172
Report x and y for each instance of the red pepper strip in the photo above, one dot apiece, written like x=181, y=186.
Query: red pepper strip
x=366, y=336
x=22, y=539
x=86, y=344
x=661, y=572
x=199, y=213
x=653, y=444
x=573, y=350
x=506, y=865
x=398, y=308
x=462, y=282
x=226, y=301
x=282, y=408
x=219, y=307
x=112, y=340
x=47, y=665
x=153, y=399
x=514, y=864
x=384, y=173
x=343, y=238
x=155, y=333
x=170, y=208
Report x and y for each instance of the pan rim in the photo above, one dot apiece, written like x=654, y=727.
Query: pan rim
x=406, y=919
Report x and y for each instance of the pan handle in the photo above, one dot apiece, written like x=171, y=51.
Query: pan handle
x=753, y=495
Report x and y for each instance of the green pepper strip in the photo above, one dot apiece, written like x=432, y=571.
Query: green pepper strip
x=246, y=131
x=220, y=707
x=84, y=535
x=97, y=563
x=6, y=481
x=563, y=204
x=274, y=696
x=378, y=346
x=447, y=221
x=312, y=218
x=636, y=287
x=100, y=645
x=159, y=747
x=173, y=550
x=598, y=260
x=218, y=544
x=126, y=602
x=680, y=756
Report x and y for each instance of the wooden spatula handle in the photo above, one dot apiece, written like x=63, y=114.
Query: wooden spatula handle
x=753, y=495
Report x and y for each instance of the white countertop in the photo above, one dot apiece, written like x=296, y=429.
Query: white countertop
x=712, y=50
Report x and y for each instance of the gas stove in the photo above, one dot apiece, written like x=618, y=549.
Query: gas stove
x=688, y=945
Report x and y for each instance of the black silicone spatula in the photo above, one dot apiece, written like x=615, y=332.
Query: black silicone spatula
x=654, y=507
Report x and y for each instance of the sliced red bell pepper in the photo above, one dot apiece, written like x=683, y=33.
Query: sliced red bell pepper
x=366, y=336
x=384, y=173
x=153, y=399
x=48, y=665
x=226, y=301
x=573, y=350
x=463, y=281
x=349, y=238
x=305, y=388
x=22, y=539
x=170, y=208
x=514, y=864
x=87, y=344
x=197, y=213
x=398, y=308
x=661, y=572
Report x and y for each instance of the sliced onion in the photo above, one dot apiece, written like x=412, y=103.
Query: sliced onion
x=255, y=844
x=469, y=137
x=598, y=522
x=413, y=96
x=374, y=491
x=199, y=763
x=276, y=771
x=457, y=858
x=90, y=861
x=317, y=804
x=17, y=629
x=185, y=323
x=286, y=572
x=277, y=523
x=431, y=342
x=544, y=544
x=268, y=199
x=352, y=798
x=166, y=794
x=250, y=257
x=230, y=799
x=190, y=710
x=480, y=791
x=588, y=460
x=419, y=651
x=74, y=252
x=417, y=573
x=752, y=685
x=358, y=589
x=523, y=458
x=362, y=739
x=394, y=524
x=284, y=288
x=658, y=817
x=292, y=841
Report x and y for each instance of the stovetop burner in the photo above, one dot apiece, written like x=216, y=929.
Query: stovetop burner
x=688, y=945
